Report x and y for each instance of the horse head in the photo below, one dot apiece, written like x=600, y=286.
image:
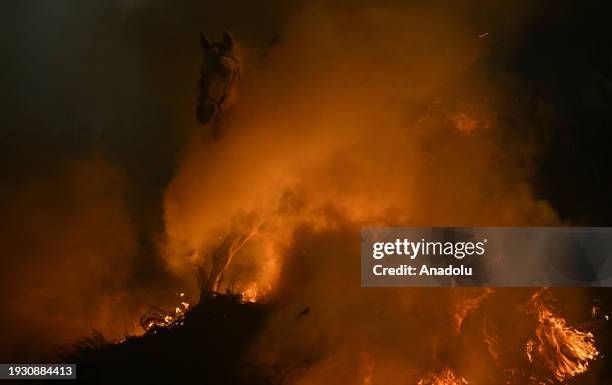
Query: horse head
x=218, y=75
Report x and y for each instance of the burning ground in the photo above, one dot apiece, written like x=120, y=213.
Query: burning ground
x=215, y=341
x=455, y=114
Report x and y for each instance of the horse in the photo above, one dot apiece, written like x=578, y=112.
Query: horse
x=219, y=73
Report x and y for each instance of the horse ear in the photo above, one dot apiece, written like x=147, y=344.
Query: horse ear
x=228, y=41
x=206, y=44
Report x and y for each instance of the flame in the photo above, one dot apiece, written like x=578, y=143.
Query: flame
x=154, y=320
x=445, y=377
x=529, y=350
x=563, y=350
x=251, y=293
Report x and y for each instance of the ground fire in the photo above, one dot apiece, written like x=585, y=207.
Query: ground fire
x=185, y=185
x=563, y=350
x=445, y=377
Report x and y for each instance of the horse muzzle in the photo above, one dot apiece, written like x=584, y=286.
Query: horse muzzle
x=206, y=111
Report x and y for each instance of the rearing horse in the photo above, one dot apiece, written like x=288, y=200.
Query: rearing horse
x=218, y=76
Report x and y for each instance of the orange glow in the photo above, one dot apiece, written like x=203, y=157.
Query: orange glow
x=445, y=377
x=563, y=350
x=156, y=320
x=251, y=293
x=461, y=309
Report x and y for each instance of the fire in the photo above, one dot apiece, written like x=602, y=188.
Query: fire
x=529, y=350
x=445, y=377
x=563, y=350
x=157, y=319
x=251, y=293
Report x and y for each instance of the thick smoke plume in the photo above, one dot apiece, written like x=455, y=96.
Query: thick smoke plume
x=98, y=101
x=348, y=114
x=373, y=115
x=69, y=246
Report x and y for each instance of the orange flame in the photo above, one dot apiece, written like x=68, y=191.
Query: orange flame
x=156, y=320
x=445, y=377
x=563, y=350
x=251, y=293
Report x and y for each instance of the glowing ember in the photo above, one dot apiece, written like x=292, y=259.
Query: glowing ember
x=563, y=350
x=445, y=377
x=251, y=293
x=157, y=319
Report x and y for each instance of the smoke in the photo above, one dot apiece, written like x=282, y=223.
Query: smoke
x=367, y=115
x=368, y=112
x=98, y=101
x=95, y=103
x=348, y=115
x=68, y=246
x=363, y=115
